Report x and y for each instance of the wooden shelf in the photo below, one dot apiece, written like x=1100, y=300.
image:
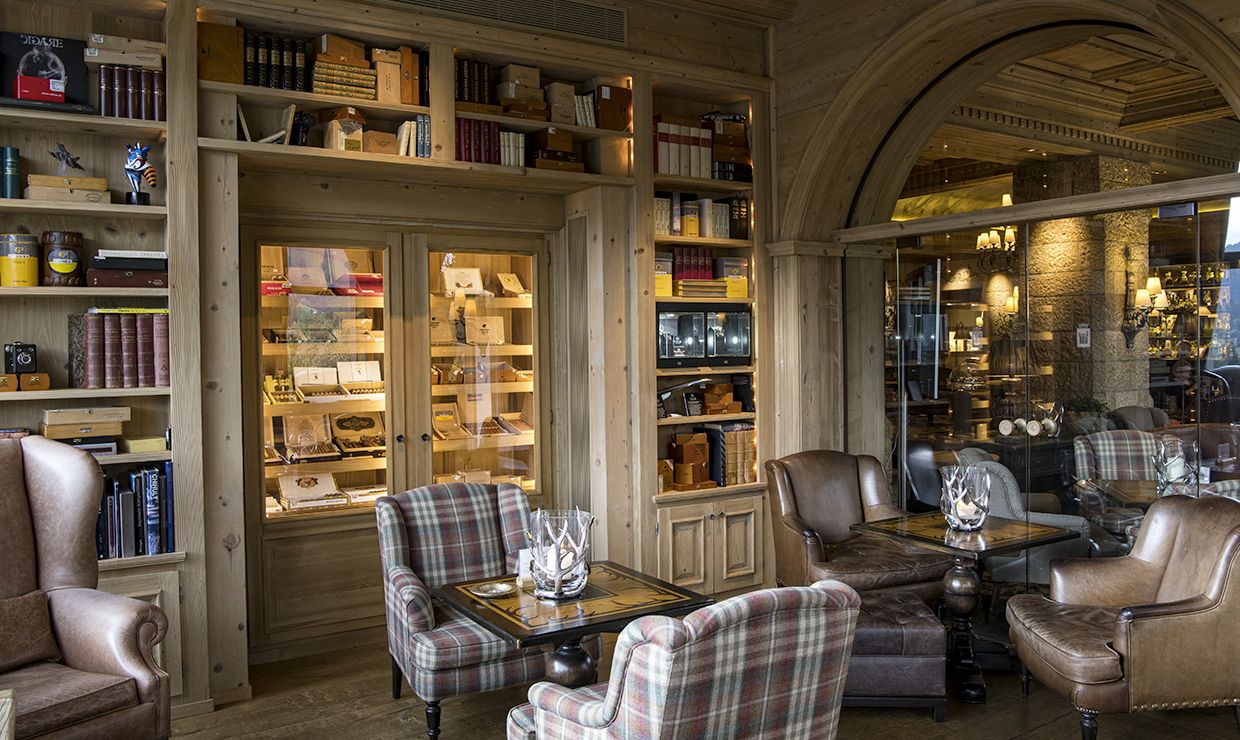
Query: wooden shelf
x=709, y=419
x=493, y=442
x=324, y=301
x=351, y=406
x=100, y=210
x=524, y=125
x=671, y=372
x=140, y=561
x=80, y=123
x=482, y=350
x=670, y=496
x=60, y=394
x=88, y=293
x=452, y=389
x=700, y=184
x=308, y=101
x=695, y=299
x=318, y=512
x=134, y=458
x=498, y=302
x=389, y=167
x=335, y=348
x=344, y=465
x=704, y=241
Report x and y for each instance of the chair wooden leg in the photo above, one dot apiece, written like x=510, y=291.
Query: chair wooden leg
x=1089, y=725
x=1025, y=679
x=1236, y=710
x=397, y=679
x=432, y=719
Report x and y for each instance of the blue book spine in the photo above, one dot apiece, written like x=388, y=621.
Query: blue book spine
x=114, y=519
x=137, y=484
x=151, y=480
x=169, y=518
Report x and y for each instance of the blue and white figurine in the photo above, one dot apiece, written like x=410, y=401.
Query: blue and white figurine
x=137, y=169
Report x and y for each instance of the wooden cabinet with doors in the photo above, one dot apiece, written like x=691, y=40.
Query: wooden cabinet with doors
x=712, y=546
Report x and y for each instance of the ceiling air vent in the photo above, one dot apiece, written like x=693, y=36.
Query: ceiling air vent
x=561, y=17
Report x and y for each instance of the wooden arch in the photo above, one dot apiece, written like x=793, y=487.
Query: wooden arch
x=862, y=150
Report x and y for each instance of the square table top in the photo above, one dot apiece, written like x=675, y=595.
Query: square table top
x=1139, y=493
x=997, y=535
x=613, y=597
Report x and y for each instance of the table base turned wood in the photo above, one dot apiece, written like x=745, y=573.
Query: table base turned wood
x=571, y=665
x=961, y=591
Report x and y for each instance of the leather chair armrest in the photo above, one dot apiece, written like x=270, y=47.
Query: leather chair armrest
x=114, y=635
x=1104, y=581
x=796, y=545
x=876, y=512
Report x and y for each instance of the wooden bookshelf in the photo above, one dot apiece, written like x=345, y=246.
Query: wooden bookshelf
x=703, y=241
x=452, y=389
x=85, y=293
x=700, y=184
x=62, y=394
x=89, y=210
x=524, y=125
x=308, y=101
x=490, y=442
x=350, y=406
x=329, y=162
x=134, y=458
x=706, y=419
x=343, y=465
x=81, y=123
x=140, y=561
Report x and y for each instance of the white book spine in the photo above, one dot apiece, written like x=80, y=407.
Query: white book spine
x=707, y=151
x=695, y=152
x=722, y=219
x=662, y=132
x=686, y=152
x=706, y=220
x=662, y=216
x=673, y=149
x=402, y=140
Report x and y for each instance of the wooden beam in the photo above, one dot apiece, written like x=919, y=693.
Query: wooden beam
x=1181, y=107
x=1128, y=199
x=760, y=12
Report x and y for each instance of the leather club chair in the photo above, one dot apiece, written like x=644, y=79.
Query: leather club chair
x=818, y=494
x=1142, y=418
x=82, y=665
x=1152, y=630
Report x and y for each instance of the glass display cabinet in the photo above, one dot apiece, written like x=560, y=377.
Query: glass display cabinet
x=483, y=347
x=321, y=367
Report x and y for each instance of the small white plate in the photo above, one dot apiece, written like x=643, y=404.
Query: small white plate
x=494, y=589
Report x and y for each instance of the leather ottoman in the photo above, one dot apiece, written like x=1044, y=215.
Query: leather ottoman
x=899, y=656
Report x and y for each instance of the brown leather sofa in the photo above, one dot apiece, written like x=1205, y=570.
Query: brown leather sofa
x=817, y=495
x=1151, y=630
x=79, y=661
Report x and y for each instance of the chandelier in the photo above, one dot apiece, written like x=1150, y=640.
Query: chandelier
x=996, y=252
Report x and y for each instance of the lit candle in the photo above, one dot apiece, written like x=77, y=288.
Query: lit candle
x=965, y=510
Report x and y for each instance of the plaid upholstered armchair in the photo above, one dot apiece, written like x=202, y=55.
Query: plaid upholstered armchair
x=766, y=664
x=442, y=534
x=1116, y=454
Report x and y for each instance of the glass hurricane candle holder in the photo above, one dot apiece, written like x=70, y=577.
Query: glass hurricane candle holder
x=965, y=501
x=559, y=542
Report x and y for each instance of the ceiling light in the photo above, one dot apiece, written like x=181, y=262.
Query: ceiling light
x=1029, y=149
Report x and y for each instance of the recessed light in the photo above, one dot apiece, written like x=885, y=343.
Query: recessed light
x=1029, y=149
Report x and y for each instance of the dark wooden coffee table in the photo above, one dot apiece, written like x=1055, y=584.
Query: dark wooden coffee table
x=961, y=585
x=614, y=596
x=1131, y=493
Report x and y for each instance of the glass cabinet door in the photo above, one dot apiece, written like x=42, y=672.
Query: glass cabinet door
x=322, y=373
x=483, y=337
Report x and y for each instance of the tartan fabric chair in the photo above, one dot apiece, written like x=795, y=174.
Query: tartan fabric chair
x=766, y=664
x=440, y=534
x=1116, y=454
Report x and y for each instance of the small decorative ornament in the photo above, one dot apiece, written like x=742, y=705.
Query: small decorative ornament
x=66, y=162
x=559, y=542
x=137, y=169
x=965, y=502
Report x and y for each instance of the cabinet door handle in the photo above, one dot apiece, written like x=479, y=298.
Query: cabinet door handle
x=712, y=517
x=400, y=439
x=426, y=438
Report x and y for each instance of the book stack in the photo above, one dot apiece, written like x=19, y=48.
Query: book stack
x=137, y=515
x=125, y=268
x=344, y=77
x=682, y=146
x=730, y=157
x=132, y=92
x=733, y=453
x=94, y=430
x=275, y=61
x=477, y=141
x=684, y=214
x=119, y=348
x=472, y=87
x=552, y=149
x=414, y=137
x=519, y=95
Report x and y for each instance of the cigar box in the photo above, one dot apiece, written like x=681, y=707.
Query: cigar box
x=690, y=448
x=666, y=474
x=540, y=163
x=343, y=113
x=447, y=478
x=559, y=93
x=446, y=421
x=126, y=278
x=517, y=91
x=73, y=183
x=338, y=46
x=221, y=53
x=515, y=423
x=510, y=284
x=361, y=379
x=359, y=433
x=388, y=81
x=121, y=43
x=343, y=136
x=511, y=480
x=613, y=104
x=143, y=59
x=443, y=328
x=563, y=113
x=484, y=330
x=307, y=437
x=520, y=74
x=494, y=110
x=88, y=415
x=360, y=62
x=391, y=56
x=690, y=473
x=37, y=192
x=449, y=373
x=500, y=372
x=474, y=476
x=39, y=88
x=553, y=139
x=727, y=128
x=82, y=429
x=8, y=382
x=378, y=142
x=473, y=374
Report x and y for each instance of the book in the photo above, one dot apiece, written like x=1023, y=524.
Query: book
x=127, y=541
x=129, y=351
x=113, y=363
x=169, y=513
x=94, y=375
x=59, y=63
x=163, y=369
x=153, y=507
x=146, y=350
x=77, y=351
x=149, y=254
x=251, y=58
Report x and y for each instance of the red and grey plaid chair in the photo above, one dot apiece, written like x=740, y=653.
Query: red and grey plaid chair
x=441, y=534
x=766, y=664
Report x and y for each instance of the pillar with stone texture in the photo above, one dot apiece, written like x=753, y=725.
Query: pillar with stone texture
x=1079, y=271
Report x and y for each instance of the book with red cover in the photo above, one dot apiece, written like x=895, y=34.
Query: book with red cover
x=460, y=139
x=475, y=141
x=113, y=363
x=163, y=365
x=92, y=329
x=146, y=350
x=494, y=143
x=129, y=350
x=38, y=88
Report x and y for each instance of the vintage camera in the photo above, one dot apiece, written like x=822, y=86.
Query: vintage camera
x=20, y=357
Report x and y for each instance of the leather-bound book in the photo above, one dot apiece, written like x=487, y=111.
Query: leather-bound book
x=77, y=351
x=251, y=60
x=146, y=95
x=107, y=79
x=129, y=350
x=163, y=366
x=299, y=64
x=133, y=88
x=286, y=49
x=146, y=350
x=113, y=363
x=120, y=92
x=160, y=97
x=92, y=331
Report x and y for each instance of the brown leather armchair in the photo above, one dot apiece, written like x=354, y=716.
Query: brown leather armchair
x=1154, y=629
x=818, y=494
x=79, y=661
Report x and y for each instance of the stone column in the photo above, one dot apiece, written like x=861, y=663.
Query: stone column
x=1079, y=271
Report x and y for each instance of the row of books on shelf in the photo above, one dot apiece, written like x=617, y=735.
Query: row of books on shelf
x=684, y=214
x=52, y=71
x=518, y=91
x=714, y=146
x=120, y=348
x=132, y=92
x=717, y=455
x=485, y=143
x=318, y=491
x=693, y=272
x=137, y=513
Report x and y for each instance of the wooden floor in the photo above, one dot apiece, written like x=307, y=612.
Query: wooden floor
x=346, y=695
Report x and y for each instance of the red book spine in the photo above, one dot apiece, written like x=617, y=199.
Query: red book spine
x=494, y=143
x=697, y=264
x=113, y=363
x=94, y=350
x=146, y=350
x=675, y=263
x=129, y=350
x=163, y=365
x=460, y=139
x=709, y=267
x=475, y=141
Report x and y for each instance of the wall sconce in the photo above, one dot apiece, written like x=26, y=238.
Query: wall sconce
x=1148, y=300
x=997, y=250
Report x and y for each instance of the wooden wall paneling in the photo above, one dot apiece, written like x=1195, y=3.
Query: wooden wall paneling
x=642, y=395
x=160, y=586
x=223, y=380
x=764, y=347
x=180, y=32
x=864, y=352
x=416, y=314
x=684, y=34
x=442, y=102
x=570, y=286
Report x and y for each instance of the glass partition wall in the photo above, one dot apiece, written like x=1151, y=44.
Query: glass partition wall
x=1094, y=358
